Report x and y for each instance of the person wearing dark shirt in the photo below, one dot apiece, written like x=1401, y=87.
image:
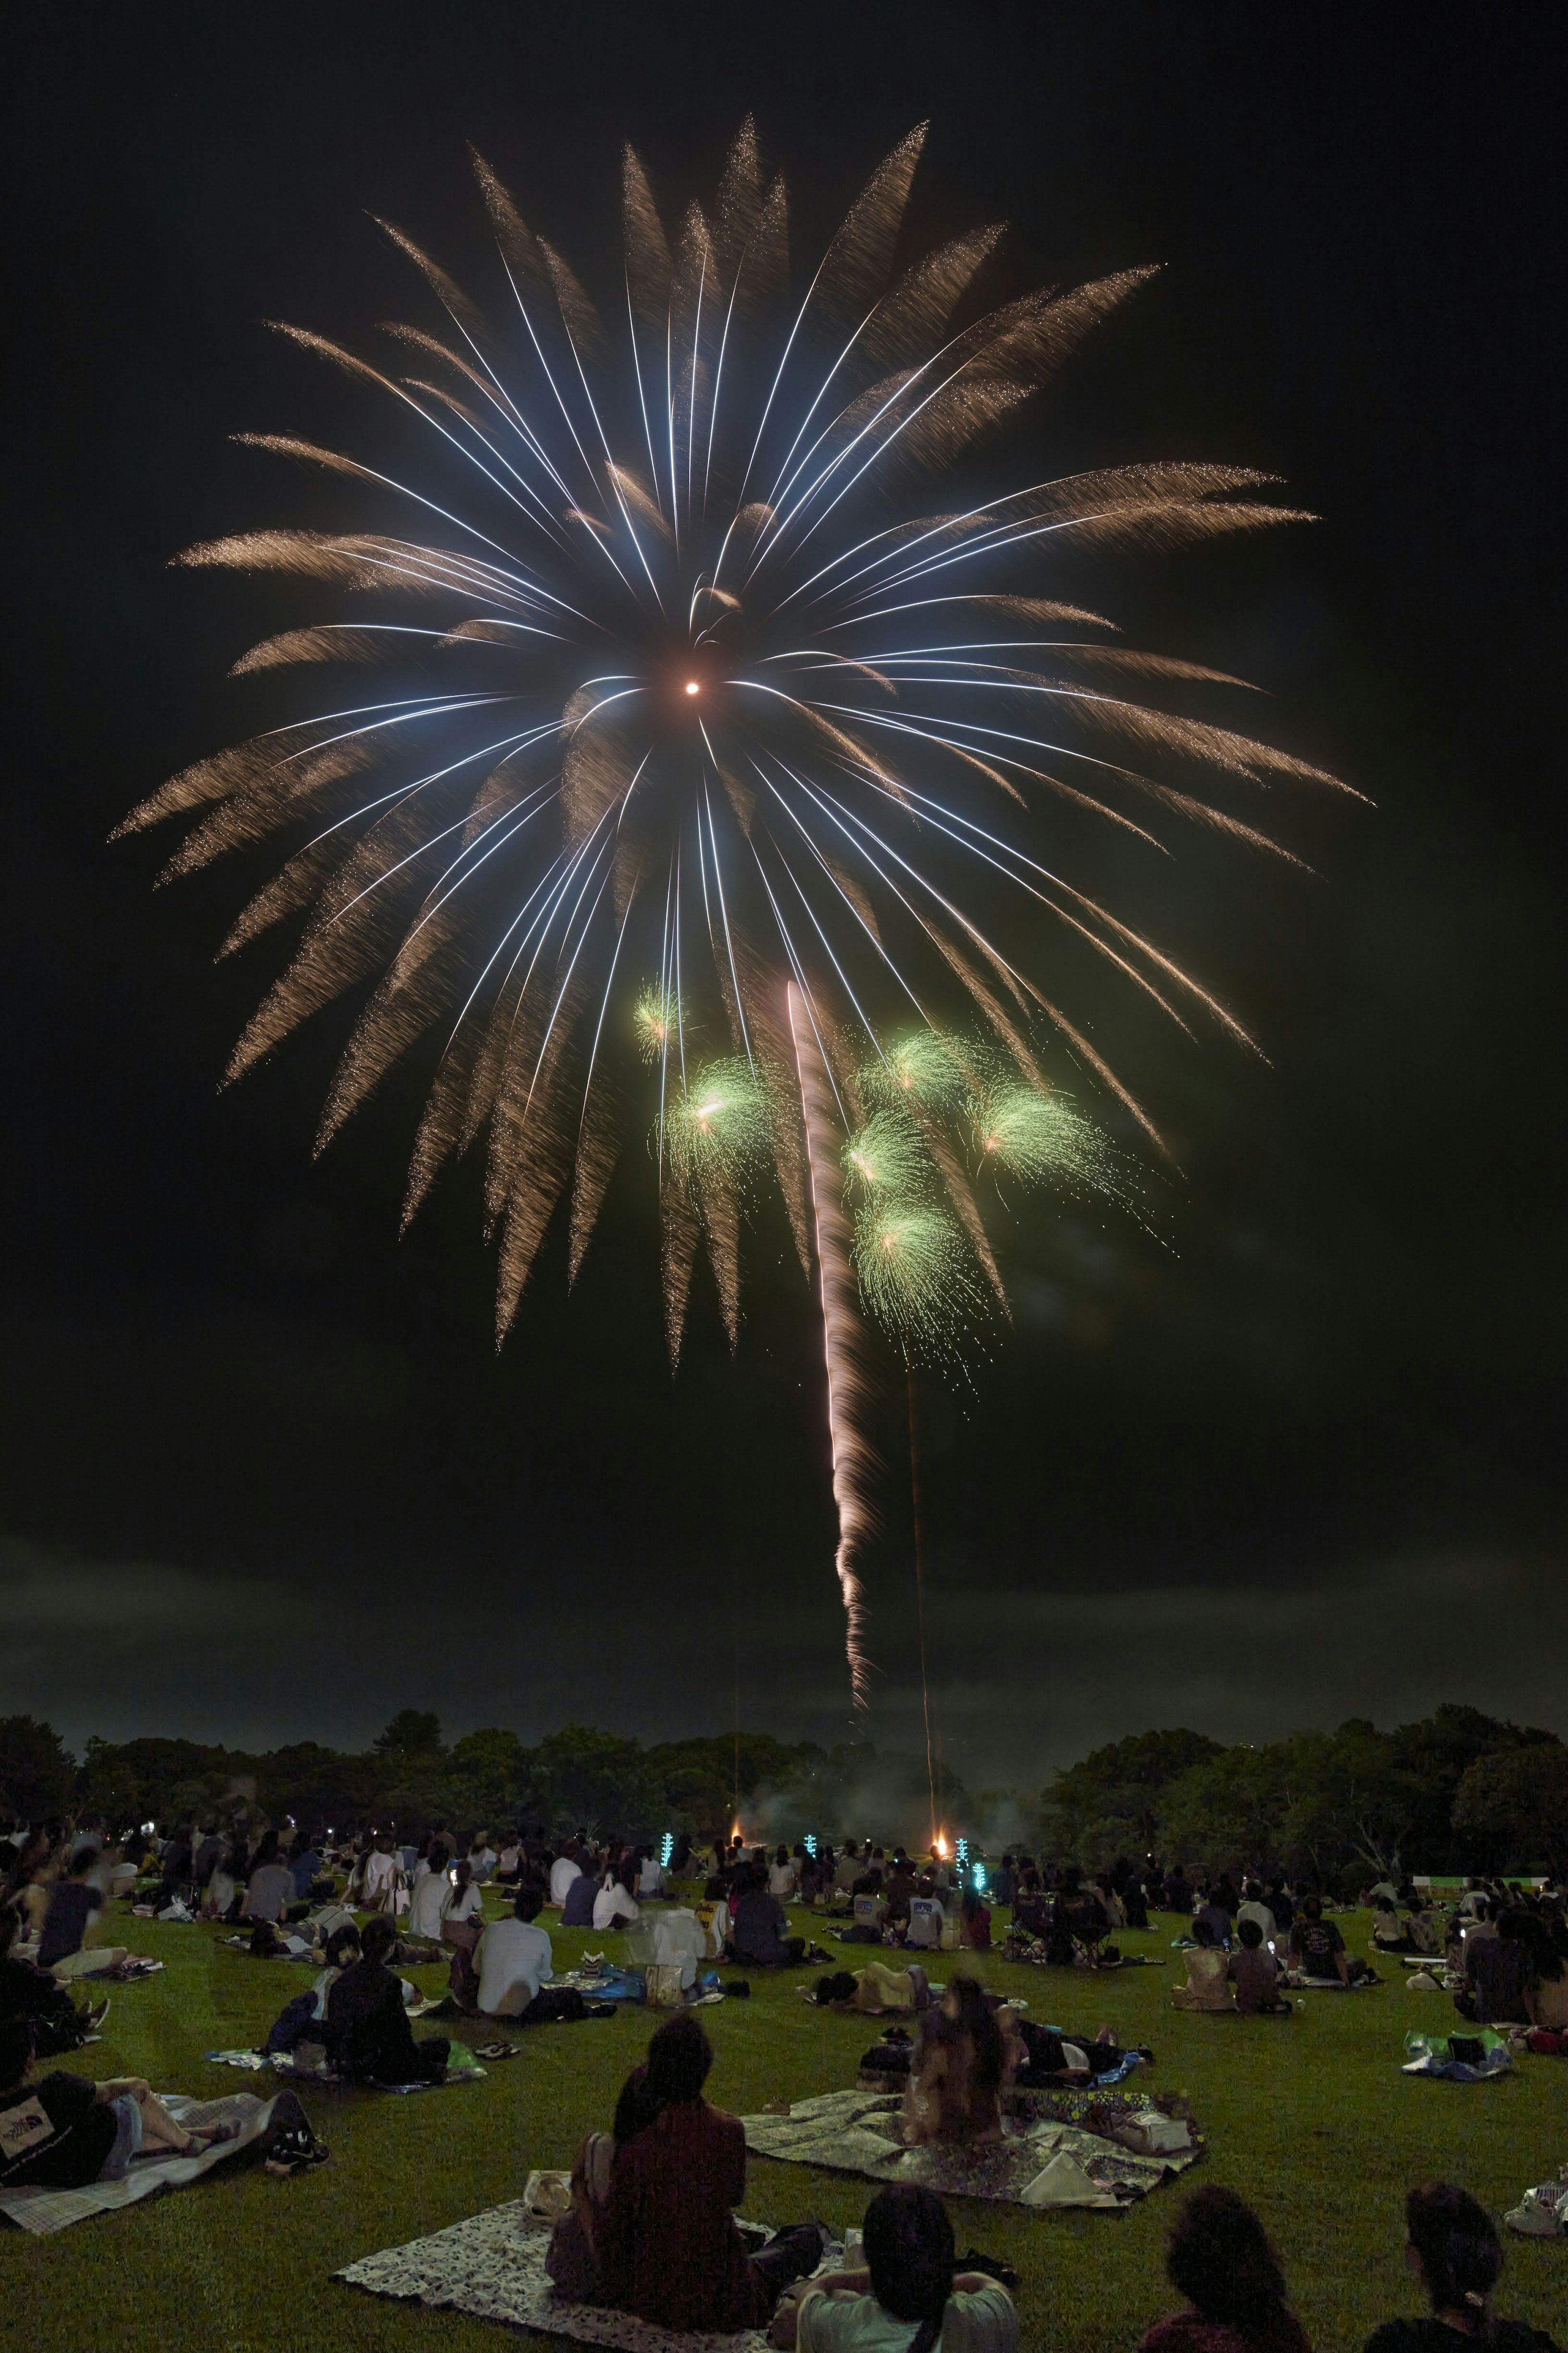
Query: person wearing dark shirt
x=1004, y=1881
x=669, y=2244
x=1220, y=2259
x=368, y=2033
x=1454, y=2249
x=60, y=2131
x=1254, y=1974
x=759, y=1934
x=37, y=1997
x=974, y=1923
x=69, y=1916
x=1497, y=1970
x=1317, y=1944
x=577, y=1912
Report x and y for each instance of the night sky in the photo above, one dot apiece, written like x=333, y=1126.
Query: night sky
x=1296, y=1456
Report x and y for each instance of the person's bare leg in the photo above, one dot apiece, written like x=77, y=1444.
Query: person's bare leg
x=160, y=2129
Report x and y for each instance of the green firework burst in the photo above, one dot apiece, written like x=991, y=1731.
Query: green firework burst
x=717, y=1122
x=917, y=1277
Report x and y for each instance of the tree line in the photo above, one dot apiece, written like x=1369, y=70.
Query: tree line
x=1457, y=1791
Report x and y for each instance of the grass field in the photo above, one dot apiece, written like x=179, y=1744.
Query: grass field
x=1310, y=2119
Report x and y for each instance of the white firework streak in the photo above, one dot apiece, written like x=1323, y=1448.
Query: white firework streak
x=843, y=1334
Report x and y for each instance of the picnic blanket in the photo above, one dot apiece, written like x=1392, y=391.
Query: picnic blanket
x=1041, y=2161
x=1433, y=2054
x=43, y=2210
x=462, y=2067
x=492, y=2265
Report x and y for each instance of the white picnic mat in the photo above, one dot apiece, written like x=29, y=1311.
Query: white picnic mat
x=42, y=2210
x=493, y=2266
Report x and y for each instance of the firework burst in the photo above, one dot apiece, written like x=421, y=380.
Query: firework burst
x=683, y=693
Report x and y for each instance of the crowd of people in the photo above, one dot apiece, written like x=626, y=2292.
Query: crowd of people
x=651, y=2226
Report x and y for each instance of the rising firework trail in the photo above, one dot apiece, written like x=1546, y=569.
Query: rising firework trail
x=685, y=689
x=842, y=1332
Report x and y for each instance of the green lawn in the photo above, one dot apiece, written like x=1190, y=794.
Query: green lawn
x=1310, y=2119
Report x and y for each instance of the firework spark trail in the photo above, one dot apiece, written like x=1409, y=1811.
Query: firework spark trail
x=681, y=764
x=844, y=1337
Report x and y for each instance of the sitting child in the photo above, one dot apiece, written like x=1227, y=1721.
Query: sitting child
x=955, y=2084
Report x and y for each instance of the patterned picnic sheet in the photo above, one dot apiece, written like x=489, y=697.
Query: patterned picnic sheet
x=42, y=2210
x=856, y=2132
x=492, y=2265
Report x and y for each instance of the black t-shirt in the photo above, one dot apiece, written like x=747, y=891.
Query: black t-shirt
x=53, y=2135
x=71, y=1907
x=29, y=1992
x=1317, y=1941
x=1428, y=2336
x=369, y=2026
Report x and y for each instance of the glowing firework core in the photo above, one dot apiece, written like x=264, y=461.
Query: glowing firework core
x=692, y=686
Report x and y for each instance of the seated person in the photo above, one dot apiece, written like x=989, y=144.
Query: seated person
x=926, y=1919
x=665, y=2238
x=1255, y=1973
x=1254, y=1908
x=783, y=1875
x=1426, y=1926
x=431, y=1888
x=304, y=1865
x=759, y=1934
x=1389, y=1932
x=1317, y=1947
x=60, y=2131
x=581, y=1894
x=908, y=2296
x=869, y=1906
x=368, y=2034
x=651, y=1876
x=513, y=1959
x=271, y=1888
x=1497, y=1974
x=225, y=1885
x=974, y=1923
x=1220, y=2259
x=71, y=1907
x=1208, y=1975
x=955, y=2084
x=1454, y=2249
x=562, y=1871
x=1217, y=1918
x=37, y=1998
x=615, y=1907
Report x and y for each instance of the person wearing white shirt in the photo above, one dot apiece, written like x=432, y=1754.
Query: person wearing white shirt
x=612, y=1907
x=482, y=1860
x=650, y=1877
x=462, y=1901
x=1254, y=1908
x=513, y=1959
x=562, y=1871
x=926, y=1917
x=783, y=1876
x=431, y=1889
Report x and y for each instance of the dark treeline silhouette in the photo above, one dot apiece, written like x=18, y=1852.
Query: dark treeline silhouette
x=1457, y=1791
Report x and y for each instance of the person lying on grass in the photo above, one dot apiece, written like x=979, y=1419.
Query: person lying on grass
x=907, y=2299
x=1220, y=2259
x=653, y=2226
x=1037, y=2057
x=1454, y=2250
x=60, y=2131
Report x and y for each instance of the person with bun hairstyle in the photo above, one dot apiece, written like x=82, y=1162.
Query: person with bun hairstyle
x=1453, y=2248
x=1221, y=2260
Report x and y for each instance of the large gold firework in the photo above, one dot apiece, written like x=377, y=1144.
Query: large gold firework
x=689, y=693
